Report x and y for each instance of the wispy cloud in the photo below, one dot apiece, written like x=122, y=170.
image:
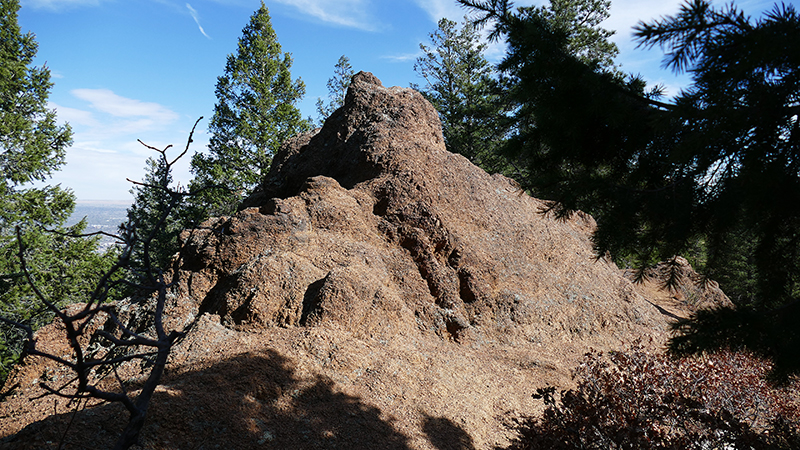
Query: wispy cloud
x=108, y=102
x=105, y=150
x=72, y=115
x=347, y=13
x=196, y=18
x=55, y=5
x=405, y=57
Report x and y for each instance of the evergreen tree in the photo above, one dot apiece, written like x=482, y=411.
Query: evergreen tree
x=718, y=165
x=574, y=39
x=255, y=112
x=145, y=212
x=337, y=89
x=32, y=147
x=738, y=144
x=459, y=83
x=581, y=20
x=158, y=215
x=576, y=119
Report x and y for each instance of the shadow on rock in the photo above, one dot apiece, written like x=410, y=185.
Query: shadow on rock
x=446, y=435
x=248, y=401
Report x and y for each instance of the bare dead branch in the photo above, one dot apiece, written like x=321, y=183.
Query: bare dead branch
x=188, y=142
x=136, y=341
x=154, y=148
x=123, y=345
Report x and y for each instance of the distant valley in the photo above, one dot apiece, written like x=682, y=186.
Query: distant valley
x=101, y=215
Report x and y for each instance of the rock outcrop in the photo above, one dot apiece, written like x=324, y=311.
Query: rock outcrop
x=376, y=291
x=371, y=225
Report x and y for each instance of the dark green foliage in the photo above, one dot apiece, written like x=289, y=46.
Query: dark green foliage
x=581, y=20
x=255, y=112
x=146, y=214
x=460, y=84
x=578, y=124
x=740, y=139
x=32, y=147
x=717, y=166
x=63, y=265
x=553, y=46
x=337, y=89
x=643, y=400
x=739, y=135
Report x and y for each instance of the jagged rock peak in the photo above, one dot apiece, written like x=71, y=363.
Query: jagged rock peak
x=370, y=224
x=374, y=129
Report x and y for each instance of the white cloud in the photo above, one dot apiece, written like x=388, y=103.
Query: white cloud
x=93, y=147
x=402, y=57
x=105, y=150
x=108, y=102
x=104, y=156
x=73, y=116
x=196, y=18
x=439, y=9
x=347, y=13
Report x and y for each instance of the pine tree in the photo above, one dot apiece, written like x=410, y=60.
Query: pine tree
x=718, y=165
x=158, y=214
x=255, y=112
x=581, y=19
x=459, y=83
x=737, y=148
x=337, y=89
x=32, y=147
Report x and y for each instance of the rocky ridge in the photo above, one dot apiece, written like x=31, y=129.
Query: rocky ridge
x=376, y=291
x=371, y=225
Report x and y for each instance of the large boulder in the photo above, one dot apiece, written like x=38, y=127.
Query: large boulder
x=370, y=224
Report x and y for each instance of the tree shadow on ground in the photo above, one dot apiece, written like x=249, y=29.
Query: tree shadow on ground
x=248, y=401
x=446, y=435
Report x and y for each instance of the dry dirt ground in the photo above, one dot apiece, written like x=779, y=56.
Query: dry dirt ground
x=295, y=388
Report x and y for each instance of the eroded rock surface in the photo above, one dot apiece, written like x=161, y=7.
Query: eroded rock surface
x=371, y=225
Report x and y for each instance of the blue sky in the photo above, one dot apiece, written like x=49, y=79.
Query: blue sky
x=146, y=69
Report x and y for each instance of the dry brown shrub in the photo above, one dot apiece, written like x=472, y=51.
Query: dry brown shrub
x=639, y=399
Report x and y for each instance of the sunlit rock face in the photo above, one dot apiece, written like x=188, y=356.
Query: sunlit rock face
x=370, y=224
